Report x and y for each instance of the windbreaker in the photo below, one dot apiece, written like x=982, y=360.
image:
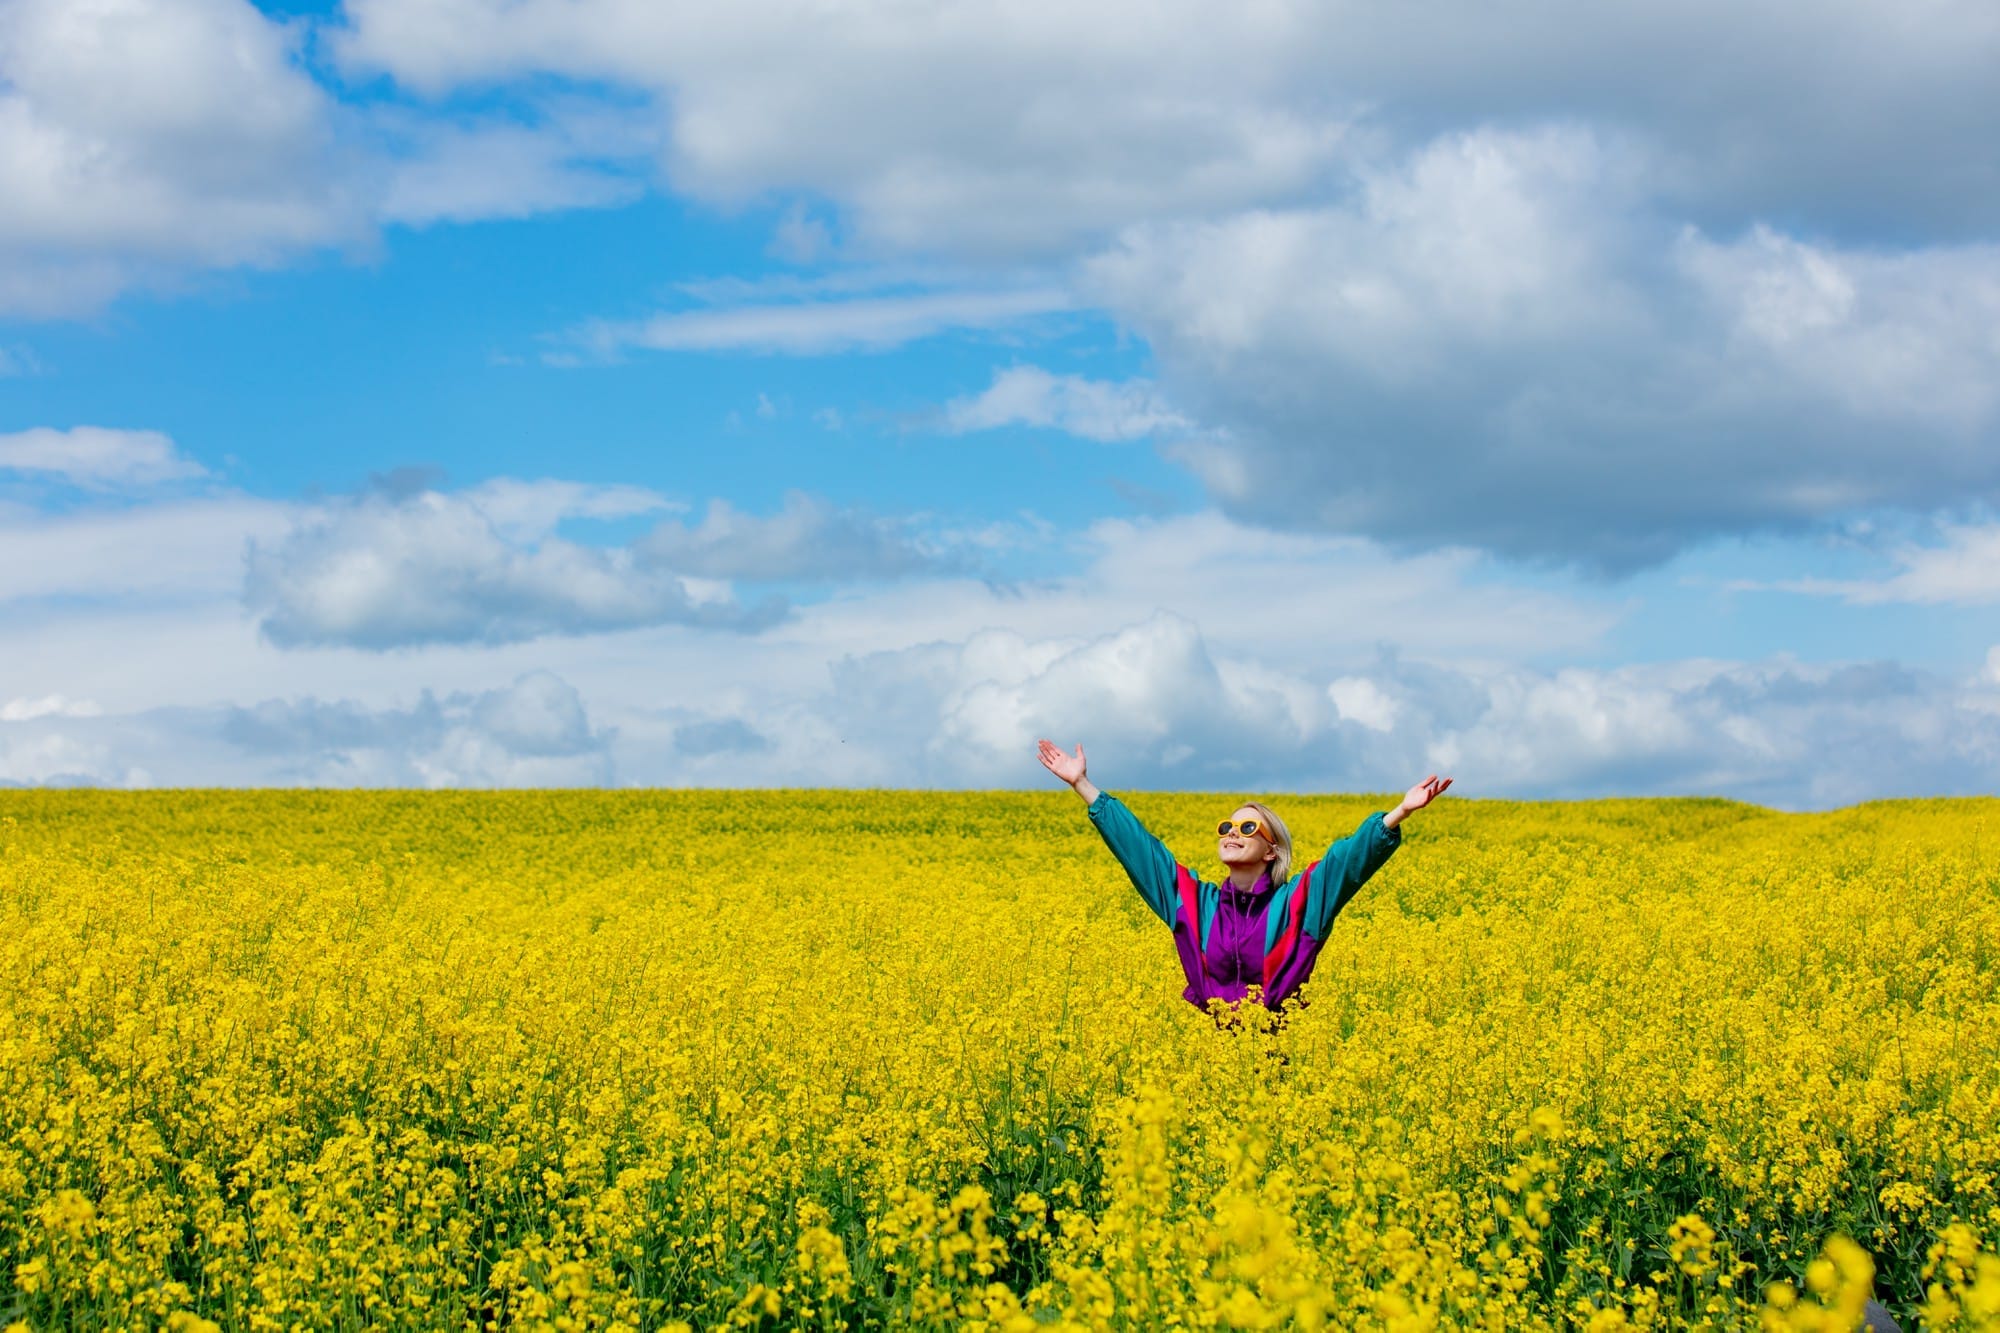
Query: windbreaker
x=1230, y=940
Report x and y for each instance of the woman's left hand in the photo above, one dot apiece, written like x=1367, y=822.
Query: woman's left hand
x=1416, y=798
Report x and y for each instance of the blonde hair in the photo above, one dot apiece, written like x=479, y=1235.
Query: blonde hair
x=1281, y=865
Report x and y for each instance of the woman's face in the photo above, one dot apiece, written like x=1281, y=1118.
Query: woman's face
x=1246, y=850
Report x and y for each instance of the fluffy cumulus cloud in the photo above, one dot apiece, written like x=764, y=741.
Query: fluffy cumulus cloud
x=139, y=135
x=381, y=572
x=1573, y=376
x=398, y=569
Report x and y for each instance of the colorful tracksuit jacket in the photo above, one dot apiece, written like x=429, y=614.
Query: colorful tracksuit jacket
x=1230, y=940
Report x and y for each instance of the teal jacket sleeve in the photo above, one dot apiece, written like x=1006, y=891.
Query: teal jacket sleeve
x=1145, y=858
x=1344, y=869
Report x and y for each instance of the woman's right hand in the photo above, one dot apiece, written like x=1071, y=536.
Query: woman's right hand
x=1067, y=767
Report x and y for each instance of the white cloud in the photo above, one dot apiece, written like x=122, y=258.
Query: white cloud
x=141, y=140
x=161, y=584
x=31, y=756
x=139, y=135
x=1092, y=409
x=1502, y=343
x=1295, y=600
x=1150, y=687
x=1158, y=705
x=526, y=511
x=1963, y=570
x=1900, y=339
x=94, y=457
x=814, y=328
x=379, y=572
x=1362, y=701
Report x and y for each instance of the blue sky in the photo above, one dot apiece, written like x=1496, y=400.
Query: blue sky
x=439, y=392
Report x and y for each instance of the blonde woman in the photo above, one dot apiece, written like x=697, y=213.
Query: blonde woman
x=1263, y=925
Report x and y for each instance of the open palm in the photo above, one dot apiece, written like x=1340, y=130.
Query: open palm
x=1065, y=766
x=1425, y=792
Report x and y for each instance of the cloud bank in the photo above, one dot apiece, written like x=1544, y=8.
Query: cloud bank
x=533, y=733
x=1156, y=704
x=1609, y=318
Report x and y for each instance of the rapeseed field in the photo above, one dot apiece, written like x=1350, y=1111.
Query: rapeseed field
x=851, y=1060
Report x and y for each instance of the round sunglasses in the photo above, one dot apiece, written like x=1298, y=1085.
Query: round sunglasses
x=1249, y=828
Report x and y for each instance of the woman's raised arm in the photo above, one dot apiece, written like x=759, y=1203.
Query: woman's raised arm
x=1348, y=864
x=1152, y=868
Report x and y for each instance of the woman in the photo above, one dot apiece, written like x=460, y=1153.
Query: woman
x=1263, y=926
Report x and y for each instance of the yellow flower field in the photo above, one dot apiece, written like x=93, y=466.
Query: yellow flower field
x=826, y=1060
